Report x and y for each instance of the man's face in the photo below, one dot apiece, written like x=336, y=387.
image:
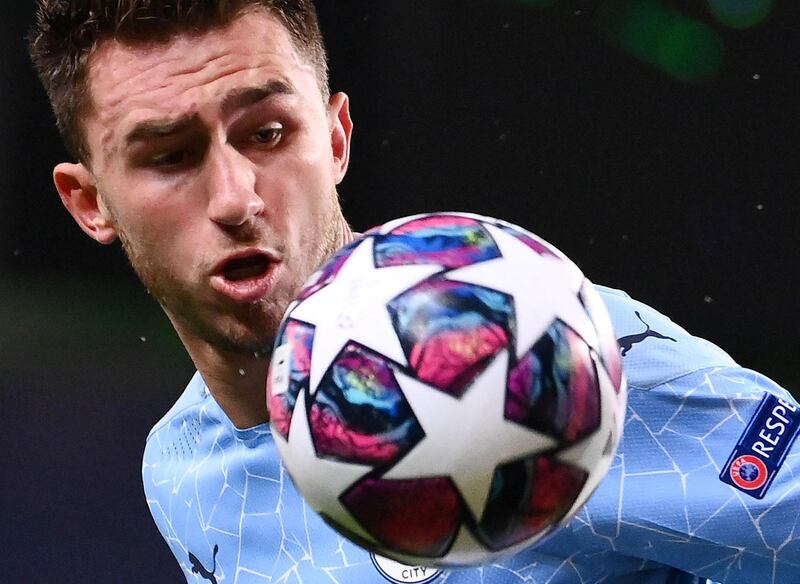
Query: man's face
x=216, y=163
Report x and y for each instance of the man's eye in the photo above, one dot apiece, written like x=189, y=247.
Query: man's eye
x=172, y=158
x=269, y=135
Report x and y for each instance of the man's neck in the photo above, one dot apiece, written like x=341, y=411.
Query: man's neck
x=237, y=383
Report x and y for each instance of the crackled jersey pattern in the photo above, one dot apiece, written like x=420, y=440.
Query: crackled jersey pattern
x=229, y=512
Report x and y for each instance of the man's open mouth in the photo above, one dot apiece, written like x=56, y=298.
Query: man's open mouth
x=246, y=268
x=247, y=276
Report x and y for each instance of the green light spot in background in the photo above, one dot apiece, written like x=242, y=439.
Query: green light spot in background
x=740, y=13
x=685, y=49
x=690, y=51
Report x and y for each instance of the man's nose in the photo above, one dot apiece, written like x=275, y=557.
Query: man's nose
x=233, y=200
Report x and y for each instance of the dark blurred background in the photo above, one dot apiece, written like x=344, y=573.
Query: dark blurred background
x=648, y=139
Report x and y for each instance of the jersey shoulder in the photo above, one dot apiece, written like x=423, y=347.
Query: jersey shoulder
x=656, y=350
x=193, y=396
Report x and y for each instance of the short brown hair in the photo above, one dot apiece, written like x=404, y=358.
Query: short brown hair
x=66, y=33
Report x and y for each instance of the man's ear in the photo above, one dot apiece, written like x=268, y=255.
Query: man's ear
x=341, y=133
x=78, y=191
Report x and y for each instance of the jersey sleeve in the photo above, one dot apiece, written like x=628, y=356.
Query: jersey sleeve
x=157, y=495
x=170, y=440
x=709, y=477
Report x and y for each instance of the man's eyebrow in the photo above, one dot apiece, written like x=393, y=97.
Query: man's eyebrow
x=241, y=98
x=159, y=128
x=236, y=99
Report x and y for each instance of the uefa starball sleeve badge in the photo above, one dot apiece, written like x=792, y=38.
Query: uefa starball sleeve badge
x=762, y=448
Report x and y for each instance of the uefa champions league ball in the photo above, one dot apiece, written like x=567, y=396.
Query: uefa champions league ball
x=446, y=389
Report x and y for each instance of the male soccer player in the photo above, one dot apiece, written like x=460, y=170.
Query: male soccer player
x=207, y=141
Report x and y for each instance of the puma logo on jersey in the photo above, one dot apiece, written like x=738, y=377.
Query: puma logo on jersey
x=626, y=343
x=199, y=568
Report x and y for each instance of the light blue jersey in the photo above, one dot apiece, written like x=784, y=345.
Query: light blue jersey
x=705, y=484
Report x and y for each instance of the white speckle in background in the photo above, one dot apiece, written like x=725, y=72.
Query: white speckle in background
x=760, y=207
x=708, y=300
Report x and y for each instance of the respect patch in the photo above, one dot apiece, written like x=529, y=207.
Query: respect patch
x=760, y=452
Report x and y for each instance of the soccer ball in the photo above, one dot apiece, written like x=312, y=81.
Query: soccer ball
x=446, y=389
